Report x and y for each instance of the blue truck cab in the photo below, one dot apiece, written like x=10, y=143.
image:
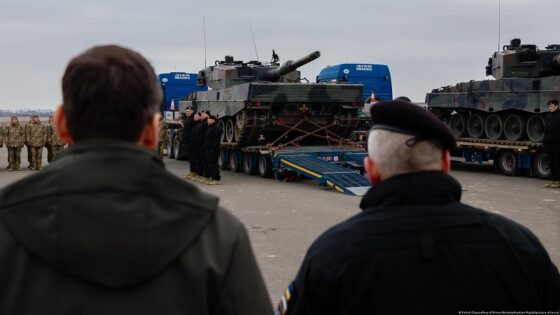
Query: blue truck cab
x=374, y=77
x=177, y=86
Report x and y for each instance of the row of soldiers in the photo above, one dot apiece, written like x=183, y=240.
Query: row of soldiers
x=35, y=136
x=202, y=137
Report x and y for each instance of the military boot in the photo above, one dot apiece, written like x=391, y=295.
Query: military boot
x=555, y=185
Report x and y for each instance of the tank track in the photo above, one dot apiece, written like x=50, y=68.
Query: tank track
x=250, y=124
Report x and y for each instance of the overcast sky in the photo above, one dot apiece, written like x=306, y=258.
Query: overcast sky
x=427, y=44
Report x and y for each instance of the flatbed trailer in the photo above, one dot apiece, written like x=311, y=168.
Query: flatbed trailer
x=335, y=166
x=508, y=157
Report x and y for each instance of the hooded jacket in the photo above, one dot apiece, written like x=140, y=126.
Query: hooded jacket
x=107, y=230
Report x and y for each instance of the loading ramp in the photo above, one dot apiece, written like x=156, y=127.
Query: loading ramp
x=325, y=170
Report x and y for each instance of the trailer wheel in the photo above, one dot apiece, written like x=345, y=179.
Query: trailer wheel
x=264, y=166
x=170, y=142
x=223, y=160
x=248, y=164
x=507, y=163
x=178, y=149
x=541, y=165
x=233, y=161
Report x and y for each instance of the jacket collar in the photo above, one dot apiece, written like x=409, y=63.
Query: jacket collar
x=430, y=187
x=111, y=145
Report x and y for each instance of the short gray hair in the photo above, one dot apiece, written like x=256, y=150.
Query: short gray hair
x=393, y=156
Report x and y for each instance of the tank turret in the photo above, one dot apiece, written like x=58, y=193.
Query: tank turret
x=229, y=72
x=524, y=61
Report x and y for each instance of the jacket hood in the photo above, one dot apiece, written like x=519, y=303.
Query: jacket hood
x=106, y=212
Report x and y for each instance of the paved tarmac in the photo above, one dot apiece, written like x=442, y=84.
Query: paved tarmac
x=283, y=218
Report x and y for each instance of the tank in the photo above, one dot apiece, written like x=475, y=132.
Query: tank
x=510, y=107
x=258, y=103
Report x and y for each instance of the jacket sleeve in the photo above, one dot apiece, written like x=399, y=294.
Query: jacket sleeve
x=244, y=291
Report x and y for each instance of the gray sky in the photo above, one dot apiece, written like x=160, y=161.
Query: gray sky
x=427, y=44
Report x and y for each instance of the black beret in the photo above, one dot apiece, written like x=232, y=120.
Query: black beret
x=411, y=119
x=212, y=117
x=188, y=107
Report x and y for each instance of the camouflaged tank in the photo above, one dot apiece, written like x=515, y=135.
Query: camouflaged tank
x=511, y=107
x=256, y=102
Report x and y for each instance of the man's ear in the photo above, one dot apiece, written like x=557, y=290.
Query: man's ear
x=61, y=126
x=371, y=171
x=445, y=161
x=149, y=136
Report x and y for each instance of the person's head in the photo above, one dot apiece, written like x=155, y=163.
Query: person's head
x=406, y=138
x=103, y=85
x=14, y=120
x=553, y=105
x=211, y=120
x=51, y=118
x=36, y=118
x=197, y=116
x=204, y=114
x=189, y=111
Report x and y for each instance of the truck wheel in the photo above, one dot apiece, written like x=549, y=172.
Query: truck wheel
x=541, y=165
x=248, y=164
x=507, y=163
x=170, y=142
x=233, y=161
x=264, y=166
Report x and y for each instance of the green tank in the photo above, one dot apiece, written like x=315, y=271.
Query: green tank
x=257, y=103
x=511, y=107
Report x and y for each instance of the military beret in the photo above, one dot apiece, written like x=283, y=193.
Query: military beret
x=411, y=119
x=212, y=117
x=188, y=107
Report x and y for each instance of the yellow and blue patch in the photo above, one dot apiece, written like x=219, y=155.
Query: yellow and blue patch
x=282, y=308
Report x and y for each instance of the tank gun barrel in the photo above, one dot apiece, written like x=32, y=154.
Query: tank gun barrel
x=289, y=66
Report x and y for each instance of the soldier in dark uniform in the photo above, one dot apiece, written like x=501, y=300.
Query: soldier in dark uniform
x=195, y=150
x=551, y=142
x=199, y=140
x=106, y=229
x=415, y=248
x=212, y=151
x=188, y=124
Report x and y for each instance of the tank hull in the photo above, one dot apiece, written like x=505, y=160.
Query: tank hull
x=509, y=109
x=260, y=112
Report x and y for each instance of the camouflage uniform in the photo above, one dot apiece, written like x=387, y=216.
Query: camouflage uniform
x=13, y=138
x=162, y=137
x=36, y=138
x=55, y=145
x=26, y=143
x=1, y=136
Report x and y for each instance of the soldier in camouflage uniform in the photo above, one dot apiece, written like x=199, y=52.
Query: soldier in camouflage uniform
x=36, y=138
x=162, y=137
x=1, y=136
x=13, y=137
x=55, y=145
x=30, y=166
